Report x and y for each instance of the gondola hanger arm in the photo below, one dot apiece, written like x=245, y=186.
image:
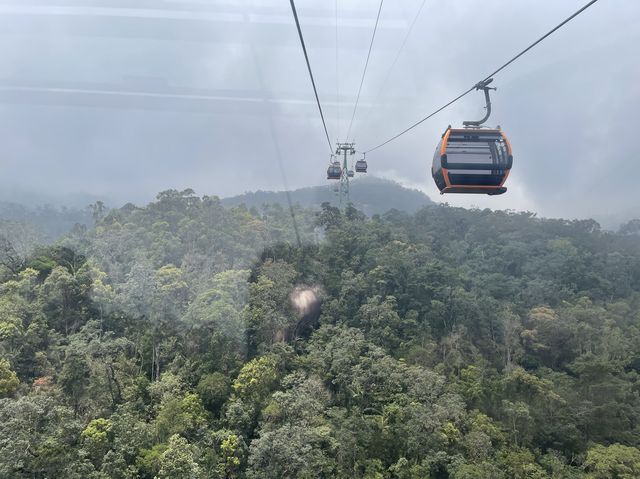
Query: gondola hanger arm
x=483, y=85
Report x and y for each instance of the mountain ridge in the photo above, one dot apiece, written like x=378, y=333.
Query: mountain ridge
x=371, y=195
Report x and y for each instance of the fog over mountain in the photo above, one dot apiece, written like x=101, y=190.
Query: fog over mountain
x=100, y=99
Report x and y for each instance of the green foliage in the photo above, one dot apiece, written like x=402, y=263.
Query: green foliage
x=8, y=379
x=270, y=317
x=231, y=450
x=178, y=460
x=214, y=389
x=38, y=438
x=613, y=462
x=256, y=378
x=185, y=416
x=148, y=461
x=74, y=378
x=520, y=464
x=97, y=438
x=451, y=344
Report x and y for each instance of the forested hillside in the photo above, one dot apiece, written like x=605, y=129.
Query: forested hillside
x=369, y=194
x=180, y=340
x=45, y=223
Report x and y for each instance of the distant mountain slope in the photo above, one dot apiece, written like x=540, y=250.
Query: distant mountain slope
x=370, y=194
x=50, y=222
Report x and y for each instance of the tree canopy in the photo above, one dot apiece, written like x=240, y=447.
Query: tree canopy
x=450, y=343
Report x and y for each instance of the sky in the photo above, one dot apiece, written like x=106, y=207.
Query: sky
x=120, y=99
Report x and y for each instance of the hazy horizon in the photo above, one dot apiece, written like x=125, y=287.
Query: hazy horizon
x=99, y=100
x=81, y=201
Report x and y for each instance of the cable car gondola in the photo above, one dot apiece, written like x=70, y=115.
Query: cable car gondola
x=334, y=172
x=473, y=159
x=350, y=174
x=361, y=166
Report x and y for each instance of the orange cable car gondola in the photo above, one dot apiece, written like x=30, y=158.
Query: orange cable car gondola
x=473, y=159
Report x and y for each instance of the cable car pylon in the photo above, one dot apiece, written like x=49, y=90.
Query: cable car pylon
x=343, y=173
x=345, y=149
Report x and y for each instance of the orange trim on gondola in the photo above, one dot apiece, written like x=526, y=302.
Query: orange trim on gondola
x=504, y=178
x=449, y=187
x=469, y=187
x=508, y=143
x=445, y=175
x=445, y=139
x=472, y=131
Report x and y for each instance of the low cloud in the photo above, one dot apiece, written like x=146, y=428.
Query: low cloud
x=120, y=103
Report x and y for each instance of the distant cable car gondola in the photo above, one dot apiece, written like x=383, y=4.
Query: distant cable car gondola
x=350, y=174
x=361, y=166
x=473, y=159
x=334, y=172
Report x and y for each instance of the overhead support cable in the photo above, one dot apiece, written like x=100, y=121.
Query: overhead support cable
x=395, y=60
x=278, y=152
x=313, y=82
x=285, y=183
x=337, y=72
x=505, y=65
x=364, y=72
